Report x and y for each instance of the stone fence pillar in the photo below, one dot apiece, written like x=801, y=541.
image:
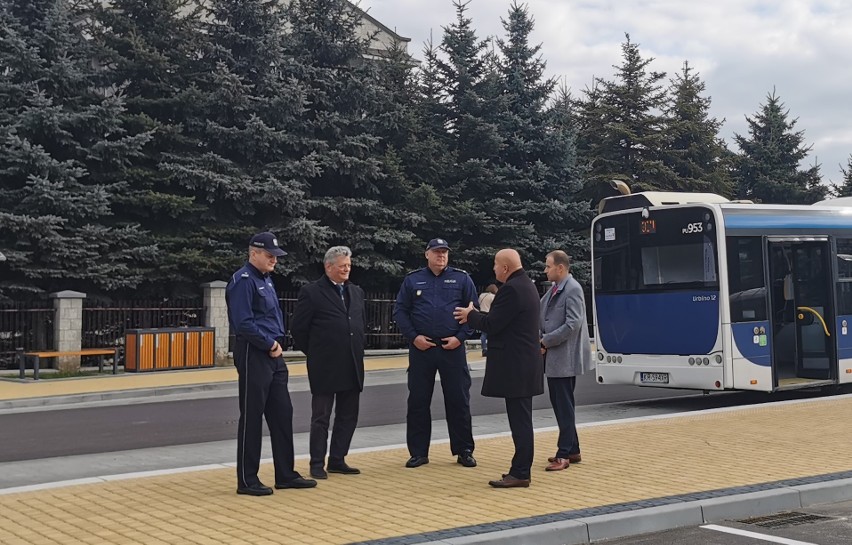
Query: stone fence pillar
x=216, y=316
x=68, y=327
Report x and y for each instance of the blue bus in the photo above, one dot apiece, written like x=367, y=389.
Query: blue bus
x=694, y=291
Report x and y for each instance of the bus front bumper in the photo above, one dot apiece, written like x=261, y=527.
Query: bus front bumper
x=661, y=376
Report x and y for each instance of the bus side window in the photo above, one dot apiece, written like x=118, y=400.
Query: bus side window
x=745, y=275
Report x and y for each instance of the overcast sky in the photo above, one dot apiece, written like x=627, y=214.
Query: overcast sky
x=740, y=48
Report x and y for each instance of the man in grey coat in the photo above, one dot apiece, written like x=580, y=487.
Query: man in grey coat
x=567, y=352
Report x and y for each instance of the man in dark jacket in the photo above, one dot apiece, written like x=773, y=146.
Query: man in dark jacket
x=329, y=325
x=513, y=368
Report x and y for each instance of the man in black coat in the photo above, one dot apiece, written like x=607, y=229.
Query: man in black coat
x=514, y=369
x=329, y=325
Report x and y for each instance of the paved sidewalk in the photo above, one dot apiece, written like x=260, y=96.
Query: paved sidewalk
x=626, y=466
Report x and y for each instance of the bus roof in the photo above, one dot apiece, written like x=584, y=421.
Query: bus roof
x=839, y=201
x=760, y=219
x=645, y=199
x=746, y=218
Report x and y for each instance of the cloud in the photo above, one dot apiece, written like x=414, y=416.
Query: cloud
x=742, y=49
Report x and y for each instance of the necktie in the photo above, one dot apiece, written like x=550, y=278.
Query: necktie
x=340, y=291
x=553, y=290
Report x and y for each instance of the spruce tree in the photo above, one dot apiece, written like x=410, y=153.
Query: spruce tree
x=478, y=217
x=538, y=159
x=591, y=126
x=152, y=48
x=64, y=154
x=250, y=171
x=845, y=187
x=414, y=152
x=767, y=168
x=424, y=149
x=627, y=112
x=693, y=149
x=356, y=188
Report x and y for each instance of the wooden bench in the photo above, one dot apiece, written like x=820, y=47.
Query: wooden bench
x=38, y=355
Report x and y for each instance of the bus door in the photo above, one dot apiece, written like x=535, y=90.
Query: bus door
x=801, y=310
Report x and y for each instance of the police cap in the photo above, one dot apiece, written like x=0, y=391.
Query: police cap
x=267, y=241
x=437, y=243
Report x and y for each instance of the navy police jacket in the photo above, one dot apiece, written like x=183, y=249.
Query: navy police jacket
x=253, y=309
x=425, y=303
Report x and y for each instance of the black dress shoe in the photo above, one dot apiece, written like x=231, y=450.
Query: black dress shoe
x=298, y=482
x=417, y=461
x=256, y=489
x=466, y=459
x=318, y=473
x=343, y=468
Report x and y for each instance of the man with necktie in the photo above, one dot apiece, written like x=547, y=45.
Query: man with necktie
x=567, y=352
x=329, y=325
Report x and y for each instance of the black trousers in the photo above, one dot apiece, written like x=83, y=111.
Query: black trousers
x=562, y=399
x=455, y=383
x=263, y=392
x=519, y=411
x=345, y=420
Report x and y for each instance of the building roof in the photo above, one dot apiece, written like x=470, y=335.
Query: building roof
x=378, y=23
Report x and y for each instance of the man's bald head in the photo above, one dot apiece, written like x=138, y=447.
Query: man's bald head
x=506, y=261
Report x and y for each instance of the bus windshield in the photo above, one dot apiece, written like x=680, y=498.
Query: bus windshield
x=669, y=250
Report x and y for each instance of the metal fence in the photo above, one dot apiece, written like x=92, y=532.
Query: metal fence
x=104, y=325
x=382, y=332
x=30, y=324
x=27, y=325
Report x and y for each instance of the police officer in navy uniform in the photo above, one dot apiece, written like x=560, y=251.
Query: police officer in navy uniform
x=424, y=313
x=257, y=321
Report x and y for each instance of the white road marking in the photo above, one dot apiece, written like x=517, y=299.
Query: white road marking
x=755, y=535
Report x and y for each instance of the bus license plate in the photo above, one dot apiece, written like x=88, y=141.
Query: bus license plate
x=654, y=378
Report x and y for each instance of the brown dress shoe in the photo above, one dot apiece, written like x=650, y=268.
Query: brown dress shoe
x=558, y=464
x=573, y=458
x=509, y=481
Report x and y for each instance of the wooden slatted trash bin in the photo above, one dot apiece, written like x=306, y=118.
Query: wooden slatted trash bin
x=164, y=349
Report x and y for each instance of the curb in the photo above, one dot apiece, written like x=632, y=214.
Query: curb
x=667, y=517
x=112, y=395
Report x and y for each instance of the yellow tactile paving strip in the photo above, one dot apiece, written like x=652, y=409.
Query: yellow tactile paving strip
x=622, y=463
x=11, y=389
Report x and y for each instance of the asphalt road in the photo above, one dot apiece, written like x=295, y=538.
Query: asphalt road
x=91, y=430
